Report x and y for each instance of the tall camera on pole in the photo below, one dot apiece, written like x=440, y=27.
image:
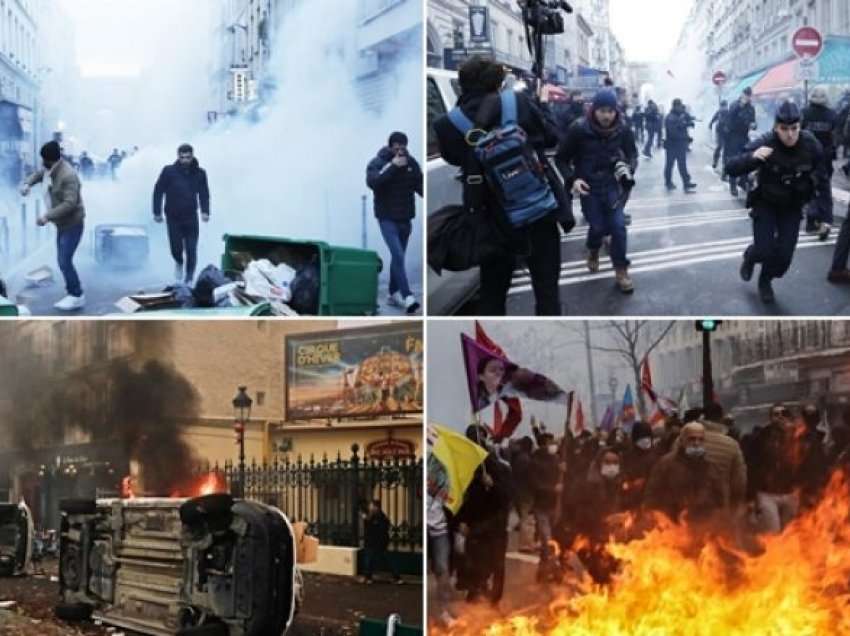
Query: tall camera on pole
x=542, y=17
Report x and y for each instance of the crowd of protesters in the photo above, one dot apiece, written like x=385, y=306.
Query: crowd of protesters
x=564, y=498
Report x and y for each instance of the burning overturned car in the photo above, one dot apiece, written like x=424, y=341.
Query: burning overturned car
x=210, y=565
x=16, y=539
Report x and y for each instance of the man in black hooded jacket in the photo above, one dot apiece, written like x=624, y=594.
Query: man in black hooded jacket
x=184, y=186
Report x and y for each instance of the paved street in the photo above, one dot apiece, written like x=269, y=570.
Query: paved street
x=685, y=251
x=333, y=606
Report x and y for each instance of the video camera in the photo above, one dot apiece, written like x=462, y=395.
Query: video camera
x=544, y=16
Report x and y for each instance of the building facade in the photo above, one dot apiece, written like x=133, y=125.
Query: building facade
x=757, y=364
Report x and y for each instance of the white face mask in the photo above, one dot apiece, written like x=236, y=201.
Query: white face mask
x=553, y=449
x=610, y=470
x=644, y=443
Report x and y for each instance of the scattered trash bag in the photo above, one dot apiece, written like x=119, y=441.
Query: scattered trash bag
x=209, y=279
x=305, y=289
x=264, y=280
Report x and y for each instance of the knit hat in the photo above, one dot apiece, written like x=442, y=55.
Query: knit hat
x=605, y=99
x=641, y=429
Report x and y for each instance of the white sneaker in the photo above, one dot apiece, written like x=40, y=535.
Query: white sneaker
x=410, y=305
x=71, y=303
x=395, y=300
x=823, y=231
x=178, y=273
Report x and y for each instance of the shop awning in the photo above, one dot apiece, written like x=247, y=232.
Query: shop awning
x=834, y=61
x=743, y=83
x=779, y=78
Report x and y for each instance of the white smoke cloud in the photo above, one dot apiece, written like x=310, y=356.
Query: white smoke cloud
x=300, y=172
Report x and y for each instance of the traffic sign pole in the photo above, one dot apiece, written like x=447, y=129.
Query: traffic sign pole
x=807, y=43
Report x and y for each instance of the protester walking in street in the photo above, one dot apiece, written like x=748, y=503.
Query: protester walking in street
x=676, y=126
x=788, y=162
x=821, y=121
x=377, y=540
x=546, y=481
x=652, y=118
x=184, y=187
x=395, y=177
x=773, y=479
x=114, y=160
x=718, y=121
x=67, y=212
x=529, y=229
x=638, y=123
x=739, y=122
x=598, y=160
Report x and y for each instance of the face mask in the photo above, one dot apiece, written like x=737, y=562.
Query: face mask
x=553, y=449
x=644, y=443
x=694, y=452
x=610, y=470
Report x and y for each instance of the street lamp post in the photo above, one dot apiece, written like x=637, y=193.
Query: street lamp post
x=242, y=415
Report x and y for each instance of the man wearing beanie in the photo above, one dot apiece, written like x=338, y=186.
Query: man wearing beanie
x=598, y=158
x=789, y=162
x=740, y=121
x=820, y=120
x=66, y=212
x=395, y=177
x=676, y=126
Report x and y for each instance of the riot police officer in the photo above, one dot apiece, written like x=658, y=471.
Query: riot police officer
x=676, y=126
x=719, y=118
x=637, y=123
x=739, y=123
x=821, y=121
x=789, y=164
x=652, y=121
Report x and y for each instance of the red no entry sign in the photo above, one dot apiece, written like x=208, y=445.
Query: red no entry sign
x=807, y=42
x=719, y=78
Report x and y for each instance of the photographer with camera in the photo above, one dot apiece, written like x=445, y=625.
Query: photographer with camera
x=529, y=229
x=395, y=178
x=598, y=159
x=789, y=163
x=676, y=125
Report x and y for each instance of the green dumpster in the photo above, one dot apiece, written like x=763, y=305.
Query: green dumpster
x=7, y=308
x=372, y=627
x=348, y=277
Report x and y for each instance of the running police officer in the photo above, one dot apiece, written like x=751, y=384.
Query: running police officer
x=789, y=164
x=739, y=123
x=821, y=121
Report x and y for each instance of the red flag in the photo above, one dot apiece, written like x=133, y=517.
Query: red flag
x=578, y=429
x=484, y=340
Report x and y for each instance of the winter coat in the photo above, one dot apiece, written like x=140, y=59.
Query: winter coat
x=822, y=122
x=676, y=126
x=377, y=531
x=719, y=119
x=678, y=483
x=589, y=154
x=771, y=461
x=545, y=476
x=65, y=192
x=394, y=187
x=183, y=188
x=739, y=122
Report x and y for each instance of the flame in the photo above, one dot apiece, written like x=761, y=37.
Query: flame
x=689, y=580
x=208, y=484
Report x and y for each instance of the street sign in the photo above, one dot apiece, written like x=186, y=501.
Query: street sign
x=807, y=69
x=807, y=42
x=719, y=78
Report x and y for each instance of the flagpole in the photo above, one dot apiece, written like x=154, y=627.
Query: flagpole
x=590, y=372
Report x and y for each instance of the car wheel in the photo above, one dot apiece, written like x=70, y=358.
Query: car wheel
x=78, y=506
x=73, y=611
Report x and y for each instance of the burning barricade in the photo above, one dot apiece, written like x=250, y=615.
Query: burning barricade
x=209, y=564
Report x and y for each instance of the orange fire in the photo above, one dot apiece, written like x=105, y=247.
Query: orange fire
x=208, y=484
x=676, y=580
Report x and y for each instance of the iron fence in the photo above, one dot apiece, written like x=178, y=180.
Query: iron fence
x=331, y=495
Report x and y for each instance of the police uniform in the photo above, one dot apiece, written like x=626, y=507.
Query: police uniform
x=676, y=126
x=739, y=122
x=821, y=121
x=787, y=180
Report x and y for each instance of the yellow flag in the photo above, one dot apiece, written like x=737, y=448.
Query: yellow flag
x=452, y=462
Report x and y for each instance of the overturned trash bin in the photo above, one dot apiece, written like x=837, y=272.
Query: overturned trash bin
x=121, y=246
x=330, y=280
